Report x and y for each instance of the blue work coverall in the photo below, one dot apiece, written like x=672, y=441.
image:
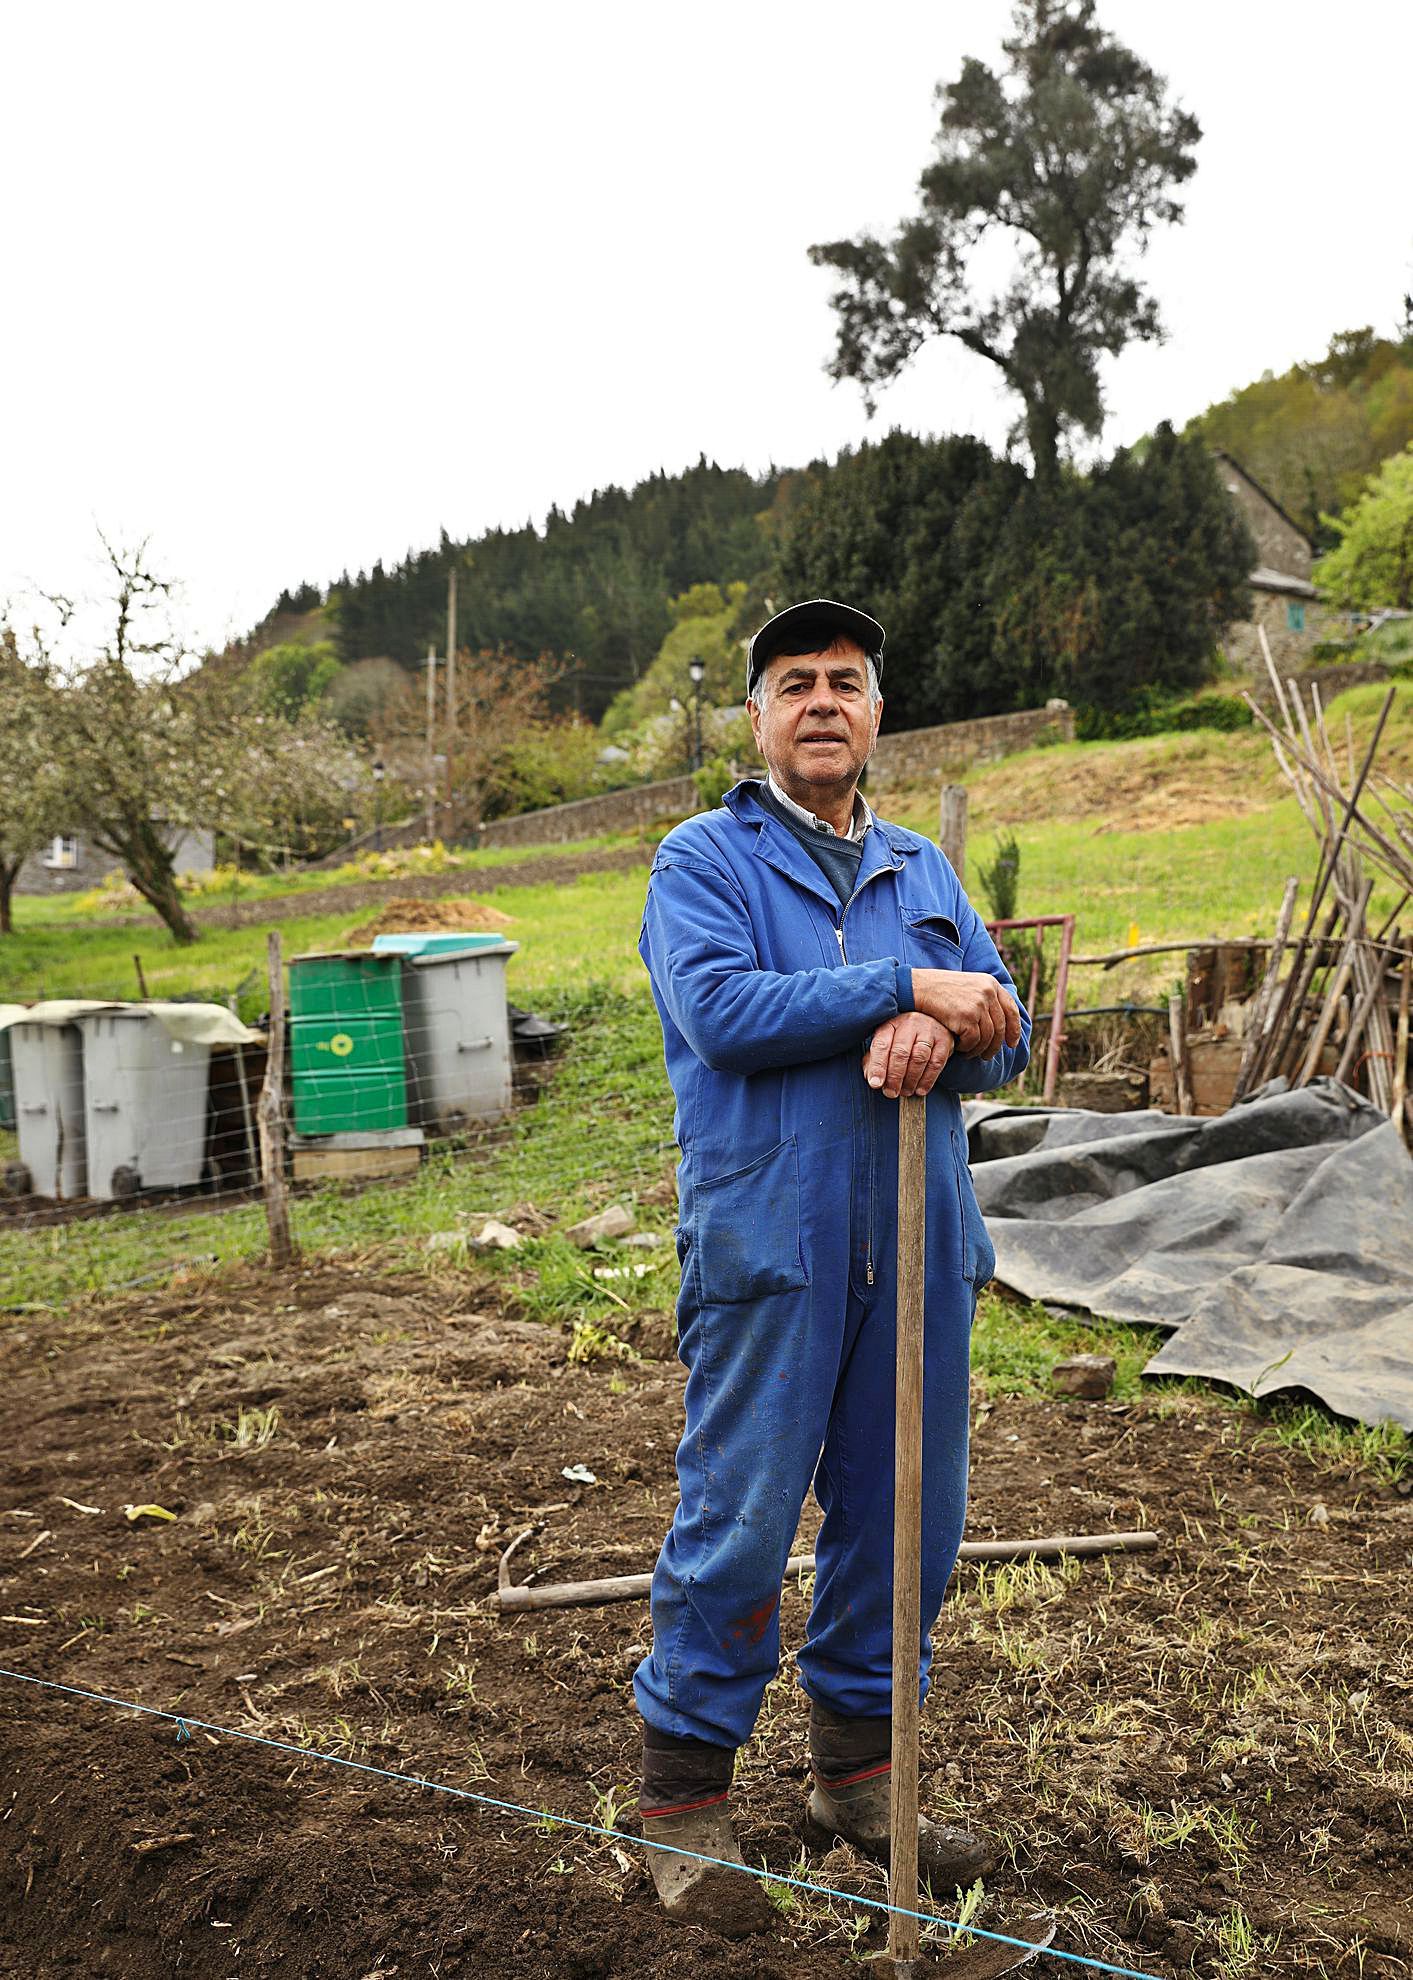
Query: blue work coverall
x=768, y=990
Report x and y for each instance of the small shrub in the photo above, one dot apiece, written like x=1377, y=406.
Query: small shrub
x=713, y=781
x=1156, y=715
x=1000, y=881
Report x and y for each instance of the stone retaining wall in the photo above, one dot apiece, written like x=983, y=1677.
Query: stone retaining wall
x=634, y=809
x=915, y=754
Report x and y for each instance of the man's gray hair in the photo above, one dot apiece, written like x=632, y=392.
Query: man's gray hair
x=762, y=695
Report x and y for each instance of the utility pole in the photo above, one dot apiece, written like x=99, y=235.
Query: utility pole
x=431, y=743
x=450, y=681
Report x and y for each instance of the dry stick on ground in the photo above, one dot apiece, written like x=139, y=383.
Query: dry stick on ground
x=272, y=1115
x=515, y=1596
x=1335, y=990
x=1399, y=1108
x=1347, y=834
x=1393, y=858
x=1264, y=1009
x=1358, y=1024
x=1291, y=1007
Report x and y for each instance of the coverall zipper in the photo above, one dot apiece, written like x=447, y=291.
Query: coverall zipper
x=839, y=931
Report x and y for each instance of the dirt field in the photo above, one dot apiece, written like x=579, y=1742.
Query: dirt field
x=1203, y=1757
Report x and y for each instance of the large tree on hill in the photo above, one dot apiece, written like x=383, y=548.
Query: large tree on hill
x=1069, y=157
x=885, y=527
x=1120, y=583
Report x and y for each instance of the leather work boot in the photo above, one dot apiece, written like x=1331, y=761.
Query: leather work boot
x=850, y=1803
x=727, y=1901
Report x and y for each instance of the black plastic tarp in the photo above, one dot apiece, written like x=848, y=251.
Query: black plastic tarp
x=1275, y=1240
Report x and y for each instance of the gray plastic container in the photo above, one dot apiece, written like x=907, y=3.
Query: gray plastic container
x=457, y=1033
x=145, y=1104
x=47, y=1061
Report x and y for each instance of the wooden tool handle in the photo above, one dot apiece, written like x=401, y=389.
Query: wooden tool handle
x=903, y=1934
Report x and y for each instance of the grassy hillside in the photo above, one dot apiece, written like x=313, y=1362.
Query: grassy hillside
x=1187, y=836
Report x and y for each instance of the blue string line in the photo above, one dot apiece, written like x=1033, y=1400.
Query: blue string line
x=184, y=1725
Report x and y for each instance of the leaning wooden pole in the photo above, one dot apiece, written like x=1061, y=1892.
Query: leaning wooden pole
x=904, y=1942
x=272, y=1114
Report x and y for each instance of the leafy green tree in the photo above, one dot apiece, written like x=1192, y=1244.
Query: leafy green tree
x=704, y=627
x=1107, y=586
x=1372, y=562
x=884, y=529
x=1068, y=158
x=289, y=677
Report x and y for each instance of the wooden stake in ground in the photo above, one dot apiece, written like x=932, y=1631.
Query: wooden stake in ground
x=272, y=1115
x=904, y=1943
x=1177, y=1039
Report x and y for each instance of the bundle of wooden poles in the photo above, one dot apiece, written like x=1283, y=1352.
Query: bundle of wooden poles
x=1341, y=988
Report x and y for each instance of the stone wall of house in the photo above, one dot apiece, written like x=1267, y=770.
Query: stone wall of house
x=1291, y=647
x=195, y=853
x=911, y=754
x=1280, y=546
x=635, y=809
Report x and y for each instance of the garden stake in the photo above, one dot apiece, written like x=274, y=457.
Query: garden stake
x=903, y=1938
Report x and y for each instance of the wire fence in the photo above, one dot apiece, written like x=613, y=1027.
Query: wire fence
x=401, y=1093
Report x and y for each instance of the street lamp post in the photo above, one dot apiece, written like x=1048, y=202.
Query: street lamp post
x=697, y=672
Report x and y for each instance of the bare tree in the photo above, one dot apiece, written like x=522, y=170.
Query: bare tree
x=146, y=748
x=502, y=709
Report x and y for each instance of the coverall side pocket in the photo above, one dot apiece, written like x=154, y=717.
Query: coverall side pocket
x=746, y=1237
x=978, y=1252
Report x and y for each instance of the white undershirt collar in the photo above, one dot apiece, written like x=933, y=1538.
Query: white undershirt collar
x=859, y=825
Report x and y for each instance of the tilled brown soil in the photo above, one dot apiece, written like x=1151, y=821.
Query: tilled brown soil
x=1203, y=1758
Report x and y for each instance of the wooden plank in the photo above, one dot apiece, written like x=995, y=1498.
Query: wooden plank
x=904, y=1942
x=339, y=1164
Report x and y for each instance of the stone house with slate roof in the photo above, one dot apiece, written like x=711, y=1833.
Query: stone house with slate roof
x=1284, y=600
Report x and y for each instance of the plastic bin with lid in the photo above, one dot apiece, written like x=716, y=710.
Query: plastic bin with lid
x=458, y=1036
x=47, y=1063
x=347, y=1057
x=145, y=1098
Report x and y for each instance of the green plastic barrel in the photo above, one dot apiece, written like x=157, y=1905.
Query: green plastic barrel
x=346, y=1047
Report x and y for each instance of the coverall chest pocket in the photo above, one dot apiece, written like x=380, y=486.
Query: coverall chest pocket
x=931, y=940
x=747, y=1230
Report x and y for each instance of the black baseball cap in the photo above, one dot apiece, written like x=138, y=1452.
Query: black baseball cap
x=825, y=618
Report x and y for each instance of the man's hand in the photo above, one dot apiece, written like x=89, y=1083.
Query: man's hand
x=981, y=1016
x=906, y=1055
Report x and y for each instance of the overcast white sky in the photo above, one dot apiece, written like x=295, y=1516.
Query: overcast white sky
x=290, y=287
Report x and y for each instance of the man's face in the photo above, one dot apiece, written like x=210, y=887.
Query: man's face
x=812, y=720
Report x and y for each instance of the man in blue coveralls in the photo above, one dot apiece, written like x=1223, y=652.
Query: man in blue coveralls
x=810, y=964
